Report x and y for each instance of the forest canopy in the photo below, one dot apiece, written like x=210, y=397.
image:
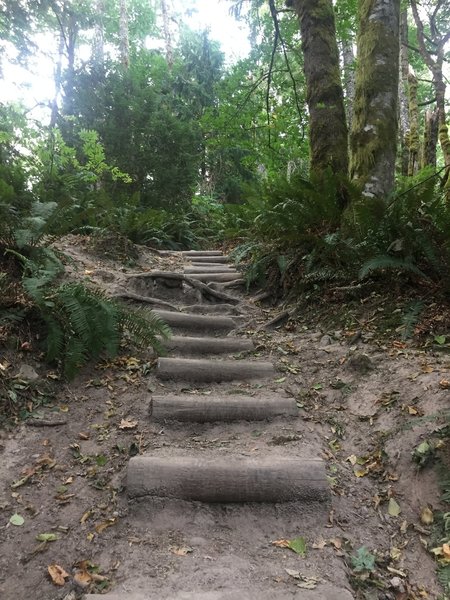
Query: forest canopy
x=324, y=153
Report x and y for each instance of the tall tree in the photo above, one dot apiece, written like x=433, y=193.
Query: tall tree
x=327, y=124
x=432, y=45
x=374, y=129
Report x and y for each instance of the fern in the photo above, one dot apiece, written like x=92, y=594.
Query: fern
x=83, y=324
x=380, y=263
x=411, y=317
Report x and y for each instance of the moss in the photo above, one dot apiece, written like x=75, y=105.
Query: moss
x=413, y=137
x=374, y=127
x=328, y=135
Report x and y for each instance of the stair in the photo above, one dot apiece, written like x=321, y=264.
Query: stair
x=205, y=485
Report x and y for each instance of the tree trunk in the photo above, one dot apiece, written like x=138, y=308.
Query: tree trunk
x=413, y=137
x=434, y=60
x=430, y=139
x=167, y=34
x=124, y=44
x=98, y=50
x=327, y=124
x=403, y=92
x=348, y=59
x=58, y=82
x=374, y=131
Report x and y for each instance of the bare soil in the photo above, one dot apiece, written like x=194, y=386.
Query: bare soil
x=363, y=408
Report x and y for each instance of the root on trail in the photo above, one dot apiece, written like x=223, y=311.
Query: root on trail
x=146, y=299
x=202, y=287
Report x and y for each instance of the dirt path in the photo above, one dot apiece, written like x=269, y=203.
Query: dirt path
x=145, y=507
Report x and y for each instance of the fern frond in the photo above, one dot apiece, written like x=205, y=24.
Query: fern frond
x=384, y=262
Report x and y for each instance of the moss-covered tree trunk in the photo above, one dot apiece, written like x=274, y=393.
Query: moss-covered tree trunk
x=327, y=124
x=348, y=61
x=374, y=131
x=430, y=139
x=403, y=92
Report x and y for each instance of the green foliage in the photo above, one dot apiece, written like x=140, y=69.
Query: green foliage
x=363, y=560
x=83, y=324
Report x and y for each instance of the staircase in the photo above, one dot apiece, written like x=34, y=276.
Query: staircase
x=239, y=496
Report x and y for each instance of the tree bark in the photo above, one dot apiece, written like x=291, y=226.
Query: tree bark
x=403, y=92
x=124, y=44
x=374, y=131
x=430, y=139
x=434, y=60
x=413, y=137
x=328, y=131
x=348, y=59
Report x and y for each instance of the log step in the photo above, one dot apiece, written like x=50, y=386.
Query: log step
x=209, y=259
x=205, y=277
x=193, y=322
x=228, y=479
x=211, y=309
x=183, y=345
x=197, y=253
x=326, y=592
x=205, y=409
x=209, y=269
x=209, y=371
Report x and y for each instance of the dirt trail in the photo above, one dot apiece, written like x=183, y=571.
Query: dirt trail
x=157, y=530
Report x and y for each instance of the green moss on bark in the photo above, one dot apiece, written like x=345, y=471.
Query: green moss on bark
x=374, y=128
x=328, y=135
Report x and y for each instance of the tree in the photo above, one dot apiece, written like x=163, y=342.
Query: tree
x=432, y=44
x=327, y=124
x=374, y=129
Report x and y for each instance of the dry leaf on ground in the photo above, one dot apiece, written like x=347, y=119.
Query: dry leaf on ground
x=57, y=574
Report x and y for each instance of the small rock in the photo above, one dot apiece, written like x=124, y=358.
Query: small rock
x=27, y=373
x=361, y=363
x=325, y=341
x=337, y=335
x=397, y=584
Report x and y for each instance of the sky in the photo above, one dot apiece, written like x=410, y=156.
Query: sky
x=36, y=86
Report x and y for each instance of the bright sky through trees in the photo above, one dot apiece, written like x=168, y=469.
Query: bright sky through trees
x=35, y=86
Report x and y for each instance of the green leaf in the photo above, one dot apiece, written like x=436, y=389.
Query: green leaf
x=394, y=508
x=440, y=339
x=17, y=520
x=101, y=460
x=317, y=386
x=47, y=537
x=298, y=545
x=280, y=380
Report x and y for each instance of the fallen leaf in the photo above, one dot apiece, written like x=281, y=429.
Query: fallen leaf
x=183, y=551
x=426, y=516
x=320, y=544
x=125, y=424
x=57, y=574
x=85, y=516
x=395, y=553
x=102, y=526
x=17, y=520
x=298, y=545
x=47, y=537
x=444, y=384
x=337, y=543
x=394, y=508
x=82, y=578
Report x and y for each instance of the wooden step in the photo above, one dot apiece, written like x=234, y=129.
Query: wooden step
x=228, y=479
x=209, y=259
x=220, y=277
x=323, y=592
x=196, y=323
x=198, y=408
x=185, y=345
x=209, y=371
x=197, y=253
x=209, y=269
x=212, y=309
